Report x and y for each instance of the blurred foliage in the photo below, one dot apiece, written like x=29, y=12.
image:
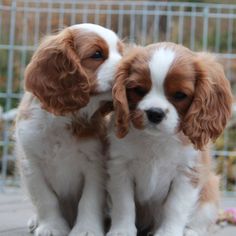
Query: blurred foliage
x=226, y=168
x=226, y=165
x=203, y=1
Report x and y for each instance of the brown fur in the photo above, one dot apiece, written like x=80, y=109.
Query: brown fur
x=131, y=73
x=82, y=127
x=62, y=73
x=210, y=190
x=178, y=80
x=211, y=106
x=209, y=181
x=202, y=175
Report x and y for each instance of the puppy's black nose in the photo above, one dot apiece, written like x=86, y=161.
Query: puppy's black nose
x=155, y=115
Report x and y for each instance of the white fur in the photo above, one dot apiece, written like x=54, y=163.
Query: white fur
x=57, y=167
x=201, y=220
x=160, y=64
x=149, y=167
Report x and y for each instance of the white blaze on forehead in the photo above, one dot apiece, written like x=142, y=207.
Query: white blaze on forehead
x=160, y=64
x=108, y=35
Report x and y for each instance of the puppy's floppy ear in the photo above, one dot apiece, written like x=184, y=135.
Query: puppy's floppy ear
x=56, y=76
x=212, y=102
x=120, y=100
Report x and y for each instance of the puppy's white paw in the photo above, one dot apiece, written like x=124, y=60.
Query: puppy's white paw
x=32, y=223
x=76, y=232
x=59, y=228
x=168, y=232
x=190, y=232
x=122, y=232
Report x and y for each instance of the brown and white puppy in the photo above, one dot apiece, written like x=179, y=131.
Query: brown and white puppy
x=60, y=129
x=169, y=103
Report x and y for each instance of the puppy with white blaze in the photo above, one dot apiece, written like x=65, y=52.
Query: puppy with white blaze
x=61, y=130
x=169, y=104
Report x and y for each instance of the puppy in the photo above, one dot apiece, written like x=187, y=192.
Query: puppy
x=160, y=176
x=60, y=129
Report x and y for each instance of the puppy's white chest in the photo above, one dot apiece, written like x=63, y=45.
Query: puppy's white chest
x=155, y=167
x=153, y=179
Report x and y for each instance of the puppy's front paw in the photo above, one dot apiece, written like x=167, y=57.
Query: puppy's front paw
x=190, y=232
x=84, y=233
x=32, y=223
x=122, y=232
x=59, y=228
x=168, y=232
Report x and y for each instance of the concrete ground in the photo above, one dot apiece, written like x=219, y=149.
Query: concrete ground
x=15, y=209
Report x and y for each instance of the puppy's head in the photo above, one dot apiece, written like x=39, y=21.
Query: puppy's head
x=73, y=65
x=166, y=88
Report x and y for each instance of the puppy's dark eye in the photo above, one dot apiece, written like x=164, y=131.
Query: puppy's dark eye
x=97, y=55
x=179, y=96
x=140, y=91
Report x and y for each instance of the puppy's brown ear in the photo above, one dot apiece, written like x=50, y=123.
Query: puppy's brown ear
x=120, y=100
x=212, y=102
x=56, y=76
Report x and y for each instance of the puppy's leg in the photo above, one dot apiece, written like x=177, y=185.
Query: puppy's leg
x=90, y=209
x=120, y=188
x=50, y=221
x=206, y=212
x=32, y=223
x=178, y=207
x=203, y=218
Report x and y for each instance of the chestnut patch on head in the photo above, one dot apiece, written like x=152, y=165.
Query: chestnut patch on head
x=93, y=52
x=137, y=87
x=138, y=82
x=197, y=87
x=132, y=82
x=179, y=84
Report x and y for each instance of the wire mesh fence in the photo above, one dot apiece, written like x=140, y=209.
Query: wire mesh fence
x=201, y=27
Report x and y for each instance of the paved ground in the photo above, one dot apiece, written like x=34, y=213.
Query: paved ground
x=15, y=209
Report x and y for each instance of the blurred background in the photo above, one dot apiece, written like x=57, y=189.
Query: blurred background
x=199, y=25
